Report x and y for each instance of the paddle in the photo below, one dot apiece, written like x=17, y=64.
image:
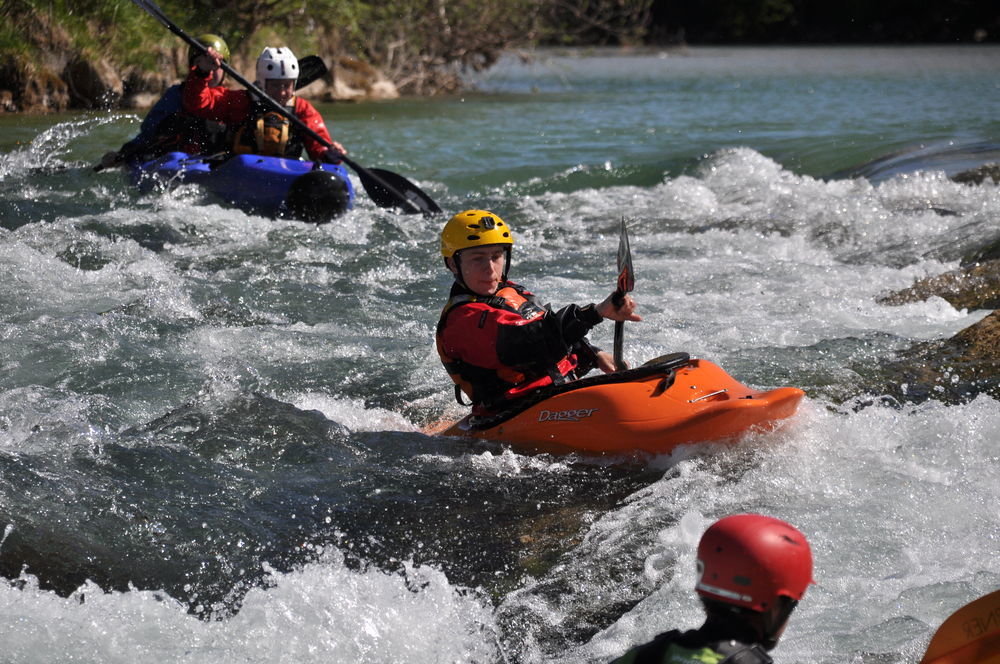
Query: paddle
x=971, y=635
x=407, y=197
x=626, y=282
x=311, y=69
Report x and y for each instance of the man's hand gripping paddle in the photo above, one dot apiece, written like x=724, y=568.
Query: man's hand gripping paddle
x=626, y=282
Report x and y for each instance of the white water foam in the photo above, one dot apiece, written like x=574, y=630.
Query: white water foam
x=324, y=612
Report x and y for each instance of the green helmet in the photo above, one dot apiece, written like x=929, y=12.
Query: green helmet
x=208, y=39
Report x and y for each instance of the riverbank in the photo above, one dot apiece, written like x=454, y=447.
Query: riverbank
x=56, y=58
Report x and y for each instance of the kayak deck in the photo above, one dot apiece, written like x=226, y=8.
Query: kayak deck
x=654, y=413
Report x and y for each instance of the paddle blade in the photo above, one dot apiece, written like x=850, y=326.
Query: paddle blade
x=626, y=277
x=311, y=69
x=971, y=635
x=403, y=193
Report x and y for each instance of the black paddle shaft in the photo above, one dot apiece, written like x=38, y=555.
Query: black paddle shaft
x=414, y=203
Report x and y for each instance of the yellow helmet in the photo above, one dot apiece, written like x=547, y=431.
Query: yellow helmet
x=474, y=228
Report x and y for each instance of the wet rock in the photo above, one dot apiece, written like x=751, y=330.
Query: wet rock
x=988, y=253
x=974, y=287
x=979, y=175
x=955, y=370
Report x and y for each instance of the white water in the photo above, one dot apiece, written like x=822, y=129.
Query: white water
x=772, y=274
x=899, y=503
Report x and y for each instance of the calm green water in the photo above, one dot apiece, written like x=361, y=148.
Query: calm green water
x=210, y=422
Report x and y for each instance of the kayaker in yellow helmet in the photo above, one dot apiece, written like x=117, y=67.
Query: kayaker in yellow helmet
x=167, y=128
x=496, y=342
x=753, y=570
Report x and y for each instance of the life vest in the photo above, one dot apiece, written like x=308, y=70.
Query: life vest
x=489, y=387
x=268, y=133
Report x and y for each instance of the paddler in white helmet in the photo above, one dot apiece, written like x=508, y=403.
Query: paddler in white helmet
x=496, y=342
x=259, y=129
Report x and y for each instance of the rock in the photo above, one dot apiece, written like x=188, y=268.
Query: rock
x=31, y=87
x=980, y=342
x=384, y=89
x=34, y=83
x=140, y=100
x=955, y=370
x=990, y=252
x=143, y=88
x=973, y=287
x=45, y=92
x=979, y=174
x=93, y=84
x=354, y=80
x=318, y=89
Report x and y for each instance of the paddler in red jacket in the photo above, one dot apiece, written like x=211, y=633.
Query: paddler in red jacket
x=258, y=128
x=495, y=341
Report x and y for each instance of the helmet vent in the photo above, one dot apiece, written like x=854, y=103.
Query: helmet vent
x=742, y=581
x=473, y=238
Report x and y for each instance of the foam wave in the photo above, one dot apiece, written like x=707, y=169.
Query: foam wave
x=324, y=612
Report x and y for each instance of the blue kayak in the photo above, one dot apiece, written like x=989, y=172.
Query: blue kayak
x=271, y=186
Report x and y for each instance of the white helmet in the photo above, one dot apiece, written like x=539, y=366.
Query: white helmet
x=278, y=63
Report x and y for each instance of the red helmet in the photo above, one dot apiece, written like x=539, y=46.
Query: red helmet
x=750, y=560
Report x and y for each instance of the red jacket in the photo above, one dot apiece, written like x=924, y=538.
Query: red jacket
x=233, y=107
x=502, y=347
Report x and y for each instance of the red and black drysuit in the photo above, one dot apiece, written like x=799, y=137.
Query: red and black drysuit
x=503, y=347
x=240, y=109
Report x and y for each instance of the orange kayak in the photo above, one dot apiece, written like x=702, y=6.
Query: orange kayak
x=667, y=402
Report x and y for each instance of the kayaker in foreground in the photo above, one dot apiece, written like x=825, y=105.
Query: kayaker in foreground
x=753, y=571
x=258, y=129
x=496, y=342
x=167, y=128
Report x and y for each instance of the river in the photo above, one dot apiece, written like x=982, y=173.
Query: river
x=211, y=443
